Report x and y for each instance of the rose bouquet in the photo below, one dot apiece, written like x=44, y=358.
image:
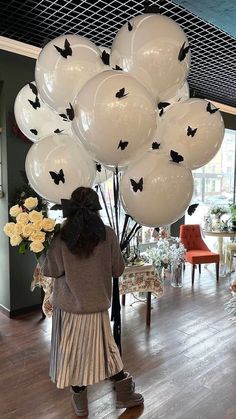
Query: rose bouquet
x=30, y=228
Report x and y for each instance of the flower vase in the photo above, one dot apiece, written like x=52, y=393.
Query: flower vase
x=177, y=275
x=217, y=222
x=160, y=270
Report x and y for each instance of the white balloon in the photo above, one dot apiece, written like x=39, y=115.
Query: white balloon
x=58, y=78
x=150, y=53
x=53, y=154
x=181, y=94
x=108, y=50
x=35, y=119
x=166, y=189
x=188, y=128
x=102, y=174
x=113, y=128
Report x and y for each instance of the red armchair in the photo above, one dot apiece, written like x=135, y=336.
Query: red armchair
x=197, y=251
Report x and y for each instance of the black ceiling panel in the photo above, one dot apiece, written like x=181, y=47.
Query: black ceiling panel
x=213, y=65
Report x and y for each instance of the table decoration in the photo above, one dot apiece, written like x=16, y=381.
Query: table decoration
x=167, y=254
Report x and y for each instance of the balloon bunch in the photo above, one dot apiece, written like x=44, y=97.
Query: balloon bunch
x=129, y=111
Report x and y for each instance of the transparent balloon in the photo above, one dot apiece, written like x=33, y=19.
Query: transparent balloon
x=194, y=128
x=153, y=49
x=55, y=166
x=34, y=118
x=155, y=191
x=115, y=116
x=102, y=174
x=64, y=65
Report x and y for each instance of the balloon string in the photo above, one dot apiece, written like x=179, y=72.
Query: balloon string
x=105, y=205
x=116, y=196
x=111, y=209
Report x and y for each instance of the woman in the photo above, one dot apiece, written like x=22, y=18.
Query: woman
x=83, y=258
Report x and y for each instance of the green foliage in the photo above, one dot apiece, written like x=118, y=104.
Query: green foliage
x=23, y=247
x=218, y=210
x=233, y=211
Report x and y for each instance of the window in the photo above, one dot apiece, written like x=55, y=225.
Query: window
x=214, y=183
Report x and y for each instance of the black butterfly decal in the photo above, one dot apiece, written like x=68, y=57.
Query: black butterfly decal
x=117, y=67
x=34, y=89
x=36, y=103
x=155, y=145
x=130, y=27
x=58, y=131
x=70, y=114
x=148, y=8
x=66, y=51
x=57, y=177
x=176, y=157
x=137, y=185
x=34, y=131
x=191, y=131
x=210, y=109
x=192, y=208
x=121, y=93
x=99, y=167
x=161, y=106
x=183, y=52
x=122, y=144
x=105, y=58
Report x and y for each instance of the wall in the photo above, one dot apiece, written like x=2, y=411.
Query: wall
x=16, y=270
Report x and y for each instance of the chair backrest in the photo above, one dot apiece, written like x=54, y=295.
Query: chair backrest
x=191, y=237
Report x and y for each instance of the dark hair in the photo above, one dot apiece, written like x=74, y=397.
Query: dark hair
x=84, y=244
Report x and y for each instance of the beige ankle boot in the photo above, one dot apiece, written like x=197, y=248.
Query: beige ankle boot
x=80, y=402
x=125, y=396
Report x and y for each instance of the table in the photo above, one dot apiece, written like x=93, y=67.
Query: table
x=141, y=279
x=220, y=237
x=135, y=279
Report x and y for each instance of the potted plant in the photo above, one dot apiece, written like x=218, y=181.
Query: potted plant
x=233, y=216
x=218, y=211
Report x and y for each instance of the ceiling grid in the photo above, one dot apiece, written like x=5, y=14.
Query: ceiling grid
x=213, y=65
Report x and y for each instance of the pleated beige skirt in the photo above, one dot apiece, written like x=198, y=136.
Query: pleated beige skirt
x=83, y=350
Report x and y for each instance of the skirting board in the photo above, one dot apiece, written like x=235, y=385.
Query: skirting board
x=19, y=311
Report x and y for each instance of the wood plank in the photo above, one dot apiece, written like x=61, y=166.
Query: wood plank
x=184, y=364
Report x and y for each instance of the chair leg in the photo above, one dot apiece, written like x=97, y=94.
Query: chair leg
x=184, y=266
x=193, y=271
x=199, y=267
x=217, y=271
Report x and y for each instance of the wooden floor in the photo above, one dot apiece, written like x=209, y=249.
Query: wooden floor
x=185, y=365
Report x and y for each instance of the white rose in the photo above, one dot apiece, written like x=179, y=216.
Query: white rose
x=31, y=203
x=38, y=236
x=48, y=224
x=15, y=240
x=23, y=218
x=15, y=210
x=36, y=246
x=37, y=226
x=27, y=230
x=35, y=216
x=9, y=229
x=18, y=229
